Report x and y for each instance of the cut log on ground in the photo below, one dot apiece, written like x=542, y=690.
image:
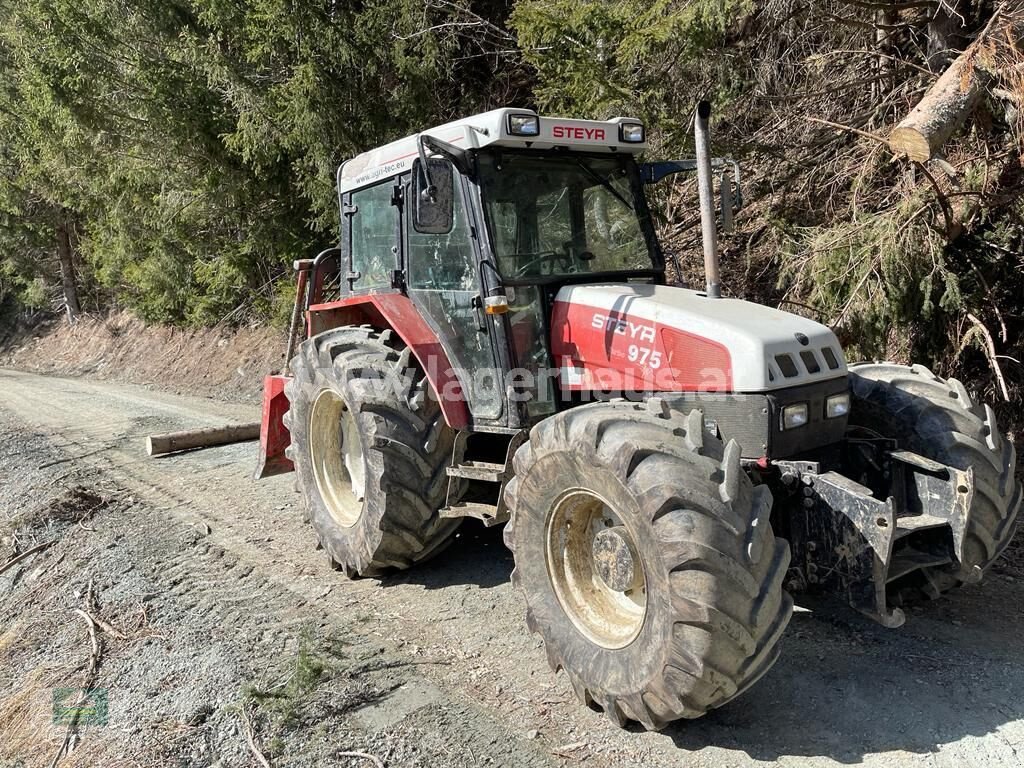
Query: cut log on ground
x=169, y=442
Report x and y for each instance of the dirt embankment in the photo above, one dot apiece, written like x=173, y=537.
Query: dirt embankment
x=224, y=363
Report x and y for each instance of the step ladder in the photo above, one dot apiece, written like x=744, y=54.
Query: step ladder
x=469, y=480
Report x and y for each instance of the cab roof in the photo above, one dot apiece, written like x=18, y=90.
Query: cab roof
x=490, y=129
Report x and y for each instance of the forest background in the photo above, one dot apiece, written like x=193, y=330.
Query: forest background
x=171, y=158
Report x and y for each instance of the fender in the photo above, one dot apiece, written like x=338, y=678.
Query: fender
x=396, y=312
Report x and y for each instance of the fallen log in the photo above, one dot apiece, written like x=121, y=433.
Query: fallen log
x=169, y=442
x=950, y=100
x=943, y=109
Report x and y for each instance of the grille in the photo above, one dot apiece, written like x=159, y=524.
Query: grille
x=830, y=358
x=807, y=362
x=787, y=366
x=810, y=361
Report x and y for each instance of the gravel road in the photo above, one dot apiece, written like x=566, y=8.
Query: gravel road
x=228, y=627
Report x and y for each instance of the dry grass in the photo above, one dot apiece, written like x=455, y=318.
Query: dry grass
x=10, y=637
x=27, y=731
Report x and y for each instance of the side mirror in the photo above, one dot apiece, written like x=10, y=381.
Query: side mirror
x=433, y=191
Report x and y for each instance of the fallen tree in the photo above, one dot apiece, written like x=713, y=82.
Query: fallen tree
x=951, y=100
x=944, y=108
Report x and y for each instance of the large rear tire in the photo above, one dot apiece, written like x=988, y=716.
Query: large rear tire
x=647, y=560
x=370, y=448
x=938, y=419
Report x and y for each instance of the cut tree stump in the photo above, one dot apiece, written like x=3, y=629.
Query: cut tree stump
x=169, y=442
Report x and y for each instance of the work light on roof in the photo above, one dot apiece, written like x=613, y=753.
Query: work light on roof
x=524, y=125
x=631, y=133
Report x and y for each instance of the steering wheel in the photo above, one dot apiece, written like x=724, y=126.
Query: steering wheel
x=539, y=258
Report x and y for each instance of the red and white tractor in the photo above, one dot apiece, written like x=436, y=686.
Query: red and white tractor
x=494, y=338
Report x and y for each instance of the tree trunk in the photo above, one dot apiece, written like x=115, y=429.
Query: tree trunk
x=65, y=254
x=951, y=98
x=943, y=109
x=886, y=20
x=169, y=442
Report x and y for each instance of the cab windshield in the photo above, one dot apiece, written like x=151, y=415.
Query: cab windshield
x=561, y=215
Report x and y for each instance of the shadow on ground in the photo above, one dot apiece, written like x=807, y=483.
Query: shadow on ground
x=477, y=556
x=844, y=688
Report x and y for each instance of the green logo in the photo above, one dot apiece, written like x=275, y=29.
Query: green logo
x=84, y=706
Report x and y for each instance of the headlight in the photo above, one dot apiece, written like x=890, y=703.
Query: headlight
x=837, y=405
x=524, y=125
x=631, y=133
x=794, y=416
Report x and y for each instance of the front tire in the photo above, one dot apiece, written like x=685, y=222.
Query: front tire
x=938, y=419
x=647, y=560
x=370, y=448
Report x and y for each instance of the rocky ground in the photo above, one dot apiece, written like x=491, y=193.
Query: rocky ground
x=222, y=638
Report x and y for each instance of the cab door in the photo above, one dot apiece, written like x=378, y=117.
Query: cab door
x=442, y=276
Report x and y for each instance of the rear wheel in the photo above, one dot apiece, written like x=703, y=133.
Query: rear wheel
x=938, y=419
x=647, y=560
x=370, y=449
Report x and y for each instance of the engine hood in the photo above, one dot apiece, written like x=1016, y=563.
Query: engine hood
x=674, y=339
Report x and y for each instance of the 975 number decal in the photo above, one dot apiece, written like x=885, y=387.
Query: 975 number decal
x=644, y=356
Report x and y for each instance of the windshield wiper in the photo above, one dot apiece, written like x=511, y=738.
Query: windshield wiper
x=603, y=182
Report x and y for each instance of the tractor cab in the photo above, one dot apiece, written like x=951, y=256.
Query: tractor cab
x=479, y=223
x=516, y=256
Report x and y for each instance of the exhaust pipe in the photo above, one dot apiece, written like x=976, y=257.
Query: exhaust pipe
x=705, y=186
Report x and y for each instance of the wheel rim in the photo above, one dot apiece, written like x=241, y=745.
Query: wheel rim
x=336, y=455
x=593, y=565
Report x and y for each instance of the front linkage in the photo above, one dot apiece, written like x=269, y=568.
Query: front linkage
x=846, y=540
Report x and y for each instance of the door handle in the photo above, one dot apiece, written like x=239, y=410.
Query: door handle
x=478, y=311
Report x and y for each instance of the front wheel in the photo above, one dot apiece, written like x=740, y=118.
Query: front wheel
x=647, y=560
x=938, y=419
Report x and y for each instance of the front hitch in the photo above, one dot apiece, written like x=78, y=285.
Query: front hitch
x=848, y=541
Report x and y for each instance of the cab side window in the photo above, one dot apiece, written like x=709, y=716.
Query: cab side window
x=374, y=237
x=443, y=262
x=444, y=282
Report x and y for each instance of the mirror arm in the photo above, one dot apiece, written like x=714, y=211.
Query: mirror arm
x=652, y=173
x=429, y=190
x=457, y=155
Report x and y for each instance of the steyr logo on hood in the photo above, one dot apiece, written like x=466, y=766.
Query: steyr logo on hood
x=624, y=327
